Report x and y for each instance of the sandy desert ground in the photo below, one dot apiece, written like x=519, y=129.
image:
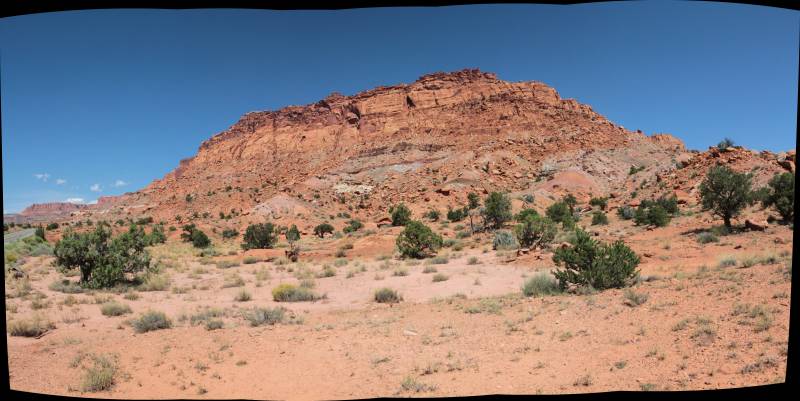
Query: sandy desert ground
x=712, y=315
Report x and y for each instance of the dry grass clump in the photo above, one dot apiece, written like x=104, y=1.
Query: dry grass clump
x=242, y=296
x=100, y=376
x=114, y=308
x=34, y=326
x=151, y=320
x=291, y=293
x=387, y=296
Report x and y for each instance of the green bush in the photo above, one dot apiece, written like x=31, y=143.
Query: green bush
x=66, y=286
x=725, y=144
x=598, y=265
x=101, y=376
x=352, y=226
x=40, y=233
x=156, y=235
x=651, y=213
x=52, y=226
x=781, y=195
x=260, y=236
x=417, y=240
x=599, y=218
x=401, y=214
x=292, y=234
x=103, y=261
x=387, y=296
x=496, y=210
x=560, y=212
x=230, y=233
x=540, y=284
x=456, y=215
x=524, y=213
x=291, y=293
x=151, y=320
x=601, y=202
x=725, y=192
x=192, y=234
x=503, y=240
x=535, y=231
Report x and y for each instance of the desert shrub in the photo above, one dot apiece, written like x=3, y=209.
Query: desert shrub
x=65, y=286
x=292, y=234
x=52, y=226
x=651, y=213
x=103, y=261
x=417, y=240
x=323, y=229
x=535, y=231
x=242, y=296
x=429, y=269
x=437, y=260
x=40, y=232
x=780, y=194
x=725, y=144
x=496, y=210
x=456, y=215
x=291, y=293
x=226, y=264
x=214, y=324
x=265, y=316
x=151, y=320
x=725, y=192
x=387, y=296
x=156, y=235
x=154, y=282
x=114, y=308
x=100, y=376
x=401, y=214
x=591, y=263
x=259, y=236
x=432, y=215
x=601, y=202
x=438, y=277
x=540, y=284
x=249, y=260
x=29, y=327
x=634, y=169
x=503, y=240
x=352, y=226
x=524, y=213
x=633, y=298
x=197, y=237
x=626, y=212
x=230, y=233
x=706, y=237
x=560, y=212
x=599, y=218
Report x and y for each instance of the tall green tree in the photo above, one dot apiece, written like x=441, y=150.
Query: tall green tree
x=725, y=192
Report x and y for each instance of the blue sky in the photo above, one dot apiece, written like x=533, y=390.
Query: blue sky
x=102, y=102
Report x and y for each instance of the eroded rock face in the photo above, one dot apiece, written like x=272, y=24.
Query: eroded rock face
x=51, y=209
x=427, y=143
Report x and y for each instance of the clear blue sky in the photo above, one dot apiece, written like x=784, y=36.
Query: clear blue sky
x=115, y=98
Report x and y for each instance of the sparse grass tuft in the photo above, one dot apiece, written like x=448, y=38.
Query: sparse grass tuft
x=633, y=298
x=242, y=296
x=265, y=316
x=438, y=277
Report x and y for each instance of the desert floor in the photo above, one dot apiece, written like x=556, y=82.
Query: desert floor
x=716, y=315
